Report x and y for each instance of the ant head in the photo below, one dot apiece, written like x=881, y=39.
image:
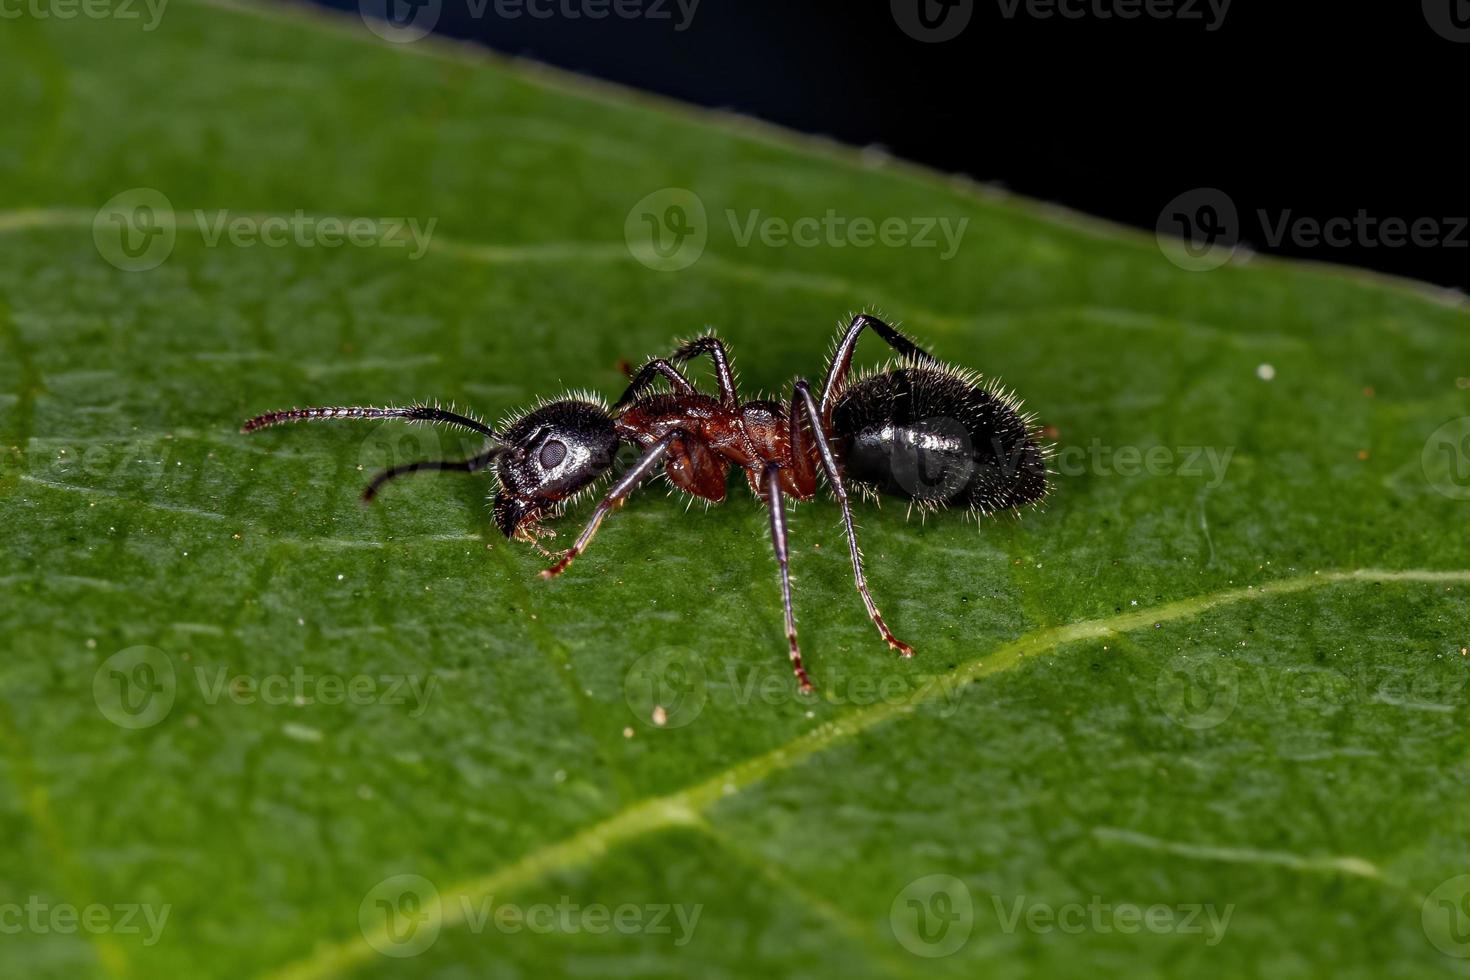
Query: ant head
x=551, y=454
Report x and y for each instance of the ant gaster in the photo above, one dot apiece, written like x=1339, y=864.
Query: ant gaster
x=917, y=429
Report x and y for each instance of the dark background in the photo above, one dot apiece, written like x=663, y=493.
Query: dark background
x=1317, y=113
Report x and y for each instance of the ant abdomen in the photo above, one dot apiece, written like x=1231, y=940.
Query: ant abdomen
x=938, y=435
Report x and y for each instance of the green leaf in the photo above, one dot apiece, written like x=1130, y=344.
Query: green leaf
x=1200, y=714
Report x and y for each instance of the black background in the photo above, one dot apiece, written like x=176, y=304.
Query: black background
x=1314, y=110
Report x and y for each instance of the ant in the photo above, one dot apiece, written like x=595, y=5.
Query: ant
x=918, y=429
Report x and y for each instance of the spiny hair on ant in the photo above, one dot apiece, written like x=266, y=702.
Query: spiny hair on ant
x=917, y=429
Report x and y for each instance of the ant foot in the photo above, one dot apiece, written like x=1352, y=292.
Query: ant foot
x=563, y=561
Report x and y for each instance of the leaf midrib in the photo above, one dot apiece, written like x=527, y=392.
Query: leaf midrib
x=686, y=807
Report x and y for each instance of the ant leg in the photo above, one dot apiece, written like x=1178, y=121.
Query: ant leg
x=626, y=485
x=414, y=413
x=715, y=348
x=842, y=354
x=801, y=400
x=644, y=379
x=772, y=479
x=471, y=465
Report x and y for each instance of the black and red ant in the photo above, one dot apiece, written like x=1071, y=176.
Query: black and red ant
x=918, y=429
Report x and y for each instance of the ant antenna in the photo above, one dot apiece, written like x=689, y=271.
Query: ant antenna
x=414, y=413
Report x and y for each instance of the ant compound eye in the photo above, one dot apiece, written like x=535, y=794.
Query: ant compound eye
x=552, y=454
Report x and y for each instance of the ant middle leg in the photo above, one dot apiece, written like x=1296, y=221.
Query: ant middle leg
x=645, y=377
x=802, y=403
x=620, y=491
x=668, y=368
x=715, y=348
x=772, y=481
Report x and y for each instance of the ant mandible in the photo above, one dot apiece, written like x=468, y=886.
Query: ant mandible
x=918, y=429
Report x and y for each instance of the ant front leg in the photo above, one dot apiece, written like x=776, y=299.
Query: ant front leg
x=641, y=470
x=802, y=402
x=472, y=465
x=772, y=481
x=842, y=354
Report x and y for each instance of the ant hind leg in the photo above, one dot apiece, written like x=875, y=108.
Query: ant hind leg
x=802, y=401
x=842, y=355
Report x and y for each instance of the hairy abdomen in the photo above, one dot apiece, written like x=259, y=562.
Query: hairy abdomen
x=939, y=436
